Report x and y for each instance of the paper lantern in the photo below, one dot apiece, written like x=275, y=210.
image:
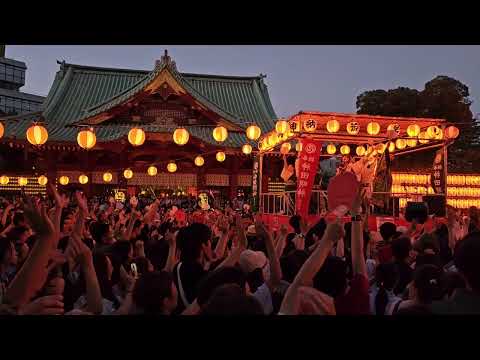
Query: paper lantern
x=22, y=181
x=64, y=180
x=391, y=147
x=220, y=134
x=401, y=144
x=2, y=130
x=285, y=148
x=180, y=136
x=423, y=137
x=373, y=128
x=37, y=135
x=360, y=150
x=380, y=148
x=199, y=160
x=413, y=130
x=247, y=149
x=412, y=142
x=310, y=125
x=353, y=128
x=433, y=132
x=333, y=126
x=42, y=180
x=253, y=132
x=394, y=128
x=368, y=150
x=172, y=167
x=220, y=156
x=107, y=177
x=331, y=149
x=272, y=139
x=152, y=170
x=294, y=125
x=128, y=174
x=86, y=139
x=451, y=132
x=345, y=149
x=298, y=146
x=136, y=136
x=281, y=126
x=83, y=179
x=4, y=180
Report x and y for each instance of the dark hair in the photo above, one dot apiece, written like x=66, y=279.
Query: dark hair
x=429, y=283
x=386, y=277
x=100, y=263
x=217, y=278
x=118, y=253
x=98, y=231
x=401, y=248
x=151, y=289
x=231, y=299
x=18, y=218
x=15, y=233
x=388, y=230
x=467, y=259
x=453, y=281
x=294, y=222
x=190, y=240
x=318, y=229
x=292, y=263
x=332, y=277
x=427, y=241
x=428, y=259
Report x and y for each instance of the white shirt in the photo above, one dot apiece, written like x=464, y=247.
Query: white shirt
x=392, y=300
x=264, y=296
x=107, y=305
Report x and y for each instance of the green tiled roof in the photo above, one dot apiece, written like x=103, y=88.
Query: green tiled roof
x=80, y=91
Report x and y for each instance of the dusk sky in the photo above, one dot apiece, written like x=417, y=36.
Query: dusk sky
x=323, y=78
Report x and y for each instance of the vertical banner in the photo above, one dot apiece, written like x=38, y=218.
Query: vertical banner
x=437, y=178
x=255, y=184
x=308, y=163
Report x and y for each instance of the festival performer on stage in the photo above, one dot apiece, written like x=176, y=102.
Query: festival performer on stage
x=289, y=174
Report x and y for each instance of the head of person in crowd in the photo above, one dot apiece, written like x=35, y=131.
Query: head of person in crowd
x=217, y=278
x=467, y=260
x=155, y=293
x=19, y=219
x=143, y=265
x=332, y=277
x=401, y=248
x=102, y=233
x=292, y=263
x=315, y=233
x=256, y=266
x=428, y=284
x=19, y=234
x=388, y=231
x=386, y=276
x=294, y=222
x=8, y=254
x=195, y=243
x=231, y=300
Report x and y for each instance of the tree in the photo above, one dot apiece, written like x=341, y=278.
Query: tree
x=444, y=98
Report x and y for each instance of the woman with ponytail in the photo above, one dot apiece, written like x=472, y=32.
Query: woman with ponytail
x=381, y=292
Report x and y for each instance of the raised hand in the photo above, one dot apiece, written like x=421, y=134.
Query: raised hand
x=77, y=252
x=36, y=214
x=81, y=201
x=283, y=230
x=127, y=280
x=46, y=305
x=334, y=232
x=61, y=201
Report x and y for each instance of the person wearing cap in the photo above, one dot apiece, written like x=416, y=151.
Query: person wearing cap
x=263, y=274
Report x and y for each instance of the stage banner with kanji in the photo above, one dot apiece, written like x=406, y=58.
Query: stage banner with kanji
x=255, y=182
x=438, y=178
x=308, y=164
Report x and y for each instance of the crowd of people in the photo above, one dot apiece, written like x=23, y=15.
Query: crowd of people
x=68, y=255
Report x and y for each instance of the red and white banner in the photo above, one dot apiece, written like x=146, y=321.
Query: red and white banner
x=308, y=164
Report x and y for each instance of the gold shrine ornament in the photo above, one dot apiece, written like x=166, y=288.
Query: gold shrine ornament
x=107, y=177
x=281, y=126
x=220, y=134
x=83, y=179
x=373, y=128
x=42, y=180
x=64, y=180
x=86, y=139
x=37, y=135
x=247, y=149
x=136, y=136
x=152, y=170
x=199, y=160
x=181, y=136
x=128, y=174
x=253, y=132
